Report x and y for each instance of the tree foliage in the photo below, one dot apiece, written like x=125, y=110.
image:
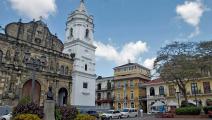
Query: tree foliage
x=180, y=62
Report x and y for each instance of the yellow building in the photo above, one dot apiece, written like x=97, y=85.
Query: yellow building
x=129, y=91
x=200, y=88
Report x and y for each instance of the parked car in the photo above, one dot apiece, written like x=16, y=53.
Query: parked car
x=6, y=117
x=111, y=114
x=93, y=113
x=129, y=112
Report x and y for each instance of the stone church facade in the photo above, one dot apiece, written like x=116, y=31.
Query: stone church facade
x=28, y=51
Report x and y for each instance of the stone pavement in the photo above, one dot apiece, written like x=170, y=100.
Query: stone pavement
x=152, y=117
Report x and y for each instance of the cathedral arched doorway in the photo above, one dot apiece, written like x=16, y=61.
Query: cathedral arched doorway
x=62, y=96
x=26, y=90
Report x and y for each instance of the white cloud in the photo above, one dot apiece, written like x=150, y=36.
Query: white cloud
x=34, y=8
x=195, y=33
x=149, y=63
x=191, y=12
x=130, y=51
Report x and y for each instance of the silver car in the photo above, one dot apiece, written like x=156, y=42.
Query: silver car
x=111, y=114
x=6, y=117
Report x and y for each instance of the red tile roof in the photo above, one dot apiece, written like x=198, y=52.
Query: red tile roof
x=155, y=81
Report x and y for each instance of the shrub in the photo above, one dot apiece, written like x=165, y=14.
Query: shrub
x=30, y=108
x=27, y=117
x=58, y=115
x=207, y=108
x=85, y=117
x=67, y=112
x=188, y=111
x=24, y=100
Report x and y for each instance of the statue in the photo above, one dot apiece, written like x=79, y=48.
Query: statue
x=50, y=94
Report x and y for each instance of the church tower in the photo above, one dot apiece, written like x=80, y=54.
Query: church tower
x=79, y=41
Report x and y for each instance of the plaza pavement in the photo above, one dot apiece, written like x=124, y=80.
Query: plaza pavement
x=152, y=117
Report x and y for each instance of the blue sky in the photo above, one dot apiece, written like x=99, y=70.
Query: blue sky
x=124, y=29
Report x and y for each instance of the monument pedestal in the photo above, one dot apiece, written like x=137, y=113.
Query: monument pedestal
x=49, y=108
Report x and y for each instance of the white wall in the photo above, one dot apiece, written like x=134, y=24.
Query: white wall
x=151, y=99
x=80, y=95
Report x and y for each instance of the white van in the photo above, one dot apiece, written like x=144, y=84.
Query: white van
x=129, y=112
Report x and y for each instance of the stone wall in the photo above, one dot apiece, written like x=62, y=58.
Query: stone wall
x=17, y=52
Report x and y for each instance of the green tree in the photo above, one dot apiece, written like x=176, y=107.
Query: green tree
x=178, y=63
x=204, y=55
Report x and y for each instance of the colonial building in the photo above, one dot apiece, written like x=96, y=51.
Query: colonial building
x=156, y=90
x=79, y=41
x=104, y=92
x=31, y=60
x=197, y=90
x=129, y=90
x=168, y=93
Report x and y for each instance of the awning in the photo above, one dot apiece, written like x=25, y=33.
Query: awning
x=158, y=103
x=192, y=102
x=172, y=103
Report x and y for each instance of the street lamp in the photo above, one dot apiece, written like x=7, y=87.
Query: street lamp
x=34, y=65
x=178, y=97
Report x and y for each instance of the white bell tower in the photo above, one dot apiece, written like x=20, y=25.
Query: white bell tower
x=79, y=40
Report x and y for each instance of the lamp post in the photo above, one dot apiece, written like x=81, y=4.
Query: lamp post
x=34, y=65
x=178, y=97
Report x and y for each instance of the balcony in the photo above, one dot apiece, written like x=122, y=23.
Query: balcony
x=132, y=85
x=104, y=100
x=200, y=93
x=103, y=89
x=141, y=85
x=156, y=97
x=142, y=98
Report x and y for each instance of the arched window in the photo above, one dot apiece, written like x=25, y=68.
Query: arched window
x=119, y=106
x=161, y=90
x=62, y=70
x=1, y=56
x=86, y=67
x=108, y=85
x=66, y=70
x=152, y=91
x=87, y=33
x=71, y=32
x=99, y=86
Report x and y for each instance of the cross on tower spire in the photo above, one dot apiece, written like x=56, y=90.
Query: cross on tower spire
x=82, y=7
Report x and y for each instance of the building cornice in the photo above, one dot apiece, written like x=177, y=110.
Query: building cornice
x=77, y=41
